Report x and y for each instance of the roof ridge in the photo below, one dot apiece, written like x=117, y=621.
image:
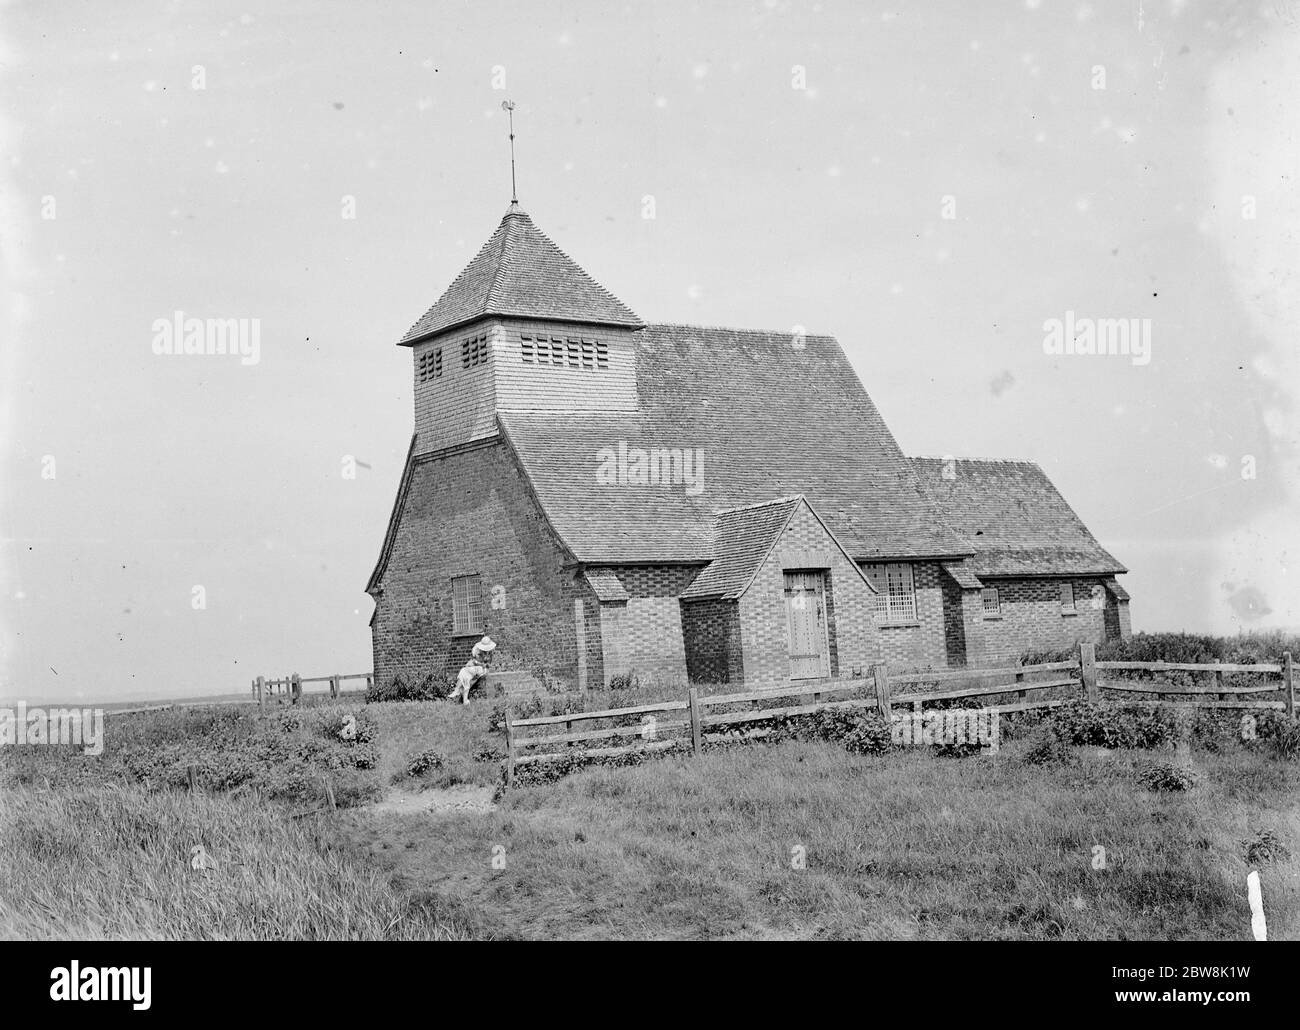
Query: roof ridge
x=760, y=504
x=508, y=226
x=962, y=457
x=738, y=329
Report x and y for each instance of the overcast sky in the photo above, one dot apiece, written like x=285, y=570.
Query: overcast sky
x=930, y=183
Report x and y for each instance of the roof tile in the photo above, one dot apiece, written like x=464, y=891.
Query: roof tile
x=519, y=272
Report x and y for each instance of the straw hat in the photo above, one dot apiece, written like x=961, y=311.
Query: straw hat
x=484, y=646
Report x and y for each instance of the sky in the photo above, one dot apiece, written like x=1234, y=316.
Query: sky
x=931, y=183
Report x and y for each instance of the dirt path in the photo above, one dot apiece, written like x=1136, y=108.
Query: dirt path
x=457, y=800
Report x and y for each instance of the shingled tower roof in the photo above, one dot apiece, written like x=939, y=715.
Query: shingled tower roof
x=519, y=272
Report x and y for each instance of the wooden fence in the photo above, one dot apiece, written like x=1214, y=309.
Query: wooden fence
x=289, y=688
x=695, y=721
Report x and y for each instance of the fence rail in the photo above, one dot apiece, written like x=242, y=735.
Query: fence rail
x=660, y=735
x=290, y=687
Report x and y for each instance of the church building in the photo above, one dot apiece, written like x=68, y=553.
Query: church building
x=610, y=498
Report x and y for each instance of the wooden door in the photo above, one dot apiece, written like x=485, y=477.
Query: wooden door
x=805, y=603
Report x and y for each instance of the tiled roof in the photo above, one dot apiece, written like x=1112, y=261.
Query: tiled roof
x=606, y=584
x=1119, y=593
x=742, y=539
x=520, y=272
x=774, y=415
x=1016, y=519
x=962, y=574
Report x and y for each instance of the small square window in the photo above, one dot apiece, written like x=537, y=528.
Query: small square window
x=990, y=601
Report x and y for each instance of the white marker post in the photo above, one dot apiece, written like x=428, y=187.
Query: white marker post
x=1257, y=926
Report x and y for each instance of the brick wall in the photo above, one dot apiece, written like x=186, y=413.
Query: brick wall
x=854, y=646
x=711, y=632
x=963, y=624
x=1118, y=626
x=471, y=512
x=1031, y=618
x=924, y=642
x=646, y=634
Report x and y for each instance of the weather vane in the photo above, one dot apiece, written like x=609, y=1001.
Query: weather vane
x=509, y=107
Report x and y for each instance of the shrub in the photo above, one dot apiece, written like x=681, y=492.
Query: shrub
x=860, y=733
x=363, y=724
x=1048, y=749
x=623, y=681
x=1265, y=846
x=1280, y=734
x=486, y=752
x=960, y=749
x=1167, y=776
x=1106, y=724
x=537, y=773
x=426, y=760
x=431, y=688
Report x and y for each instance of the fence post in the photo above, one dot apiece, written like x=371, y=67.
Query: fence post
x=693, y=698
x=1289, y=683
x=1218, y=682
x=1021, y=695
x=193, y=774
x=510, y=750
x=1088, y=670
x=261, y=695
x=880, y=673
x=334, y=685
x=295, y=688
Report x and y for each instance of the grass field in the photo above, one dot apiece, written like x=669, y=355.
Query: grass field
x=788, y=840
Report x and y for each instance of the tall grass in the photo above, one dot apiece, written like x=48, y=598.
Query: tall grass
x=114, y=863
x=894, y=847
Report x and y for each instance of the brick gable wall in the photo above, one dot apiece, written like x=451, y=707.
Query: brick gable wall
x=471, y=512
x=854, y=645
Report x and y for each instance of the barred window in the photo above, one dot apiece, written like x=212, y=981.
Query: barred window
x=466, y=605
x=430, y=365
x=895, y=599
x=1067, y=597
x=574, y=349
x=991, y=602
x=528, y=349
x=602, y=354
x=474, y=351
